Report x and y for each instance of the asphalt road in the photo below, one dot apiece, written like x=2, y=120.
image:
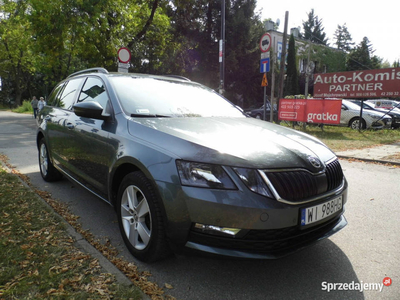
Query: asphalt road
x=365, y=252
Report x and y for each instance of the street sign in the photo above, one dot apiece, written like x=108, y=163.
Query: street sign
x=264, y=55
x=264, y=65
x=123, y=67
x=124, y=55
x=264, y=80
x=265, y=42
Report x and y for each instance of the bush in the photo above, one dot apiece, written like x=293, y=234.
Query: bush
x=26, y=107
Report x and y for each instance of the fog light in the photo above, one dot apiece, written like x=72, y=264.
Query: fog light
x=216, y=230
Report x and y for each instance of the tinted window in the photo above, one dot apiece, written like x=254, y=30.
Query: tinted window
x=68, y=95
x=55, y=95
x=94, y=90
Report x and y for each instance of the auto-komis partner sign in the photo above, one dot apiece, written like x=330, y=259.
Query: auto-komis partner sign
x=321, y=111
x=358, y=84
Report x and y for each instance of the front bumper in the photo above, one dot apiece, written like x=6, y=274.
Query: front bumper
x=266, y=244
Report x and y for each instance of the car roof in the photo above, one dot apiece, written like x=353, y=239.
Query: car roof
x=100, y=70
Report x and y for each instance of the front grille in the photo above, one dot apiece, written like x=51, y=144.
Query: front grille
x=272, y=241
x=298, y=185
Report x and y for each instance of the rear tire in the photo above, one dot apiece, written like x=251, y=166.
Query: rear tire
x=140, y=220
x=47, y=170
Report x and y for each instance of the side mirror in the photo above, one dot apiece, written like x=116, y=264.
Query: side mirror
x=90, y=109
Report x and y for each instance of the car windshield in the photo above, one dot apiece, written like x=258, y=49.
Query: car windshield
x=151, y=97
x=351, y=105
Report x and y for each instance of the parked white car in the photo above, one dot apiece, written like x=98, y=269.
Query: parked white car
x=350, y=116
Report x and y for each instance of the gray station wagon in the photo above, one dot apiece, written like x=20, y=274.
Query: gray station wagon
x=187, y=170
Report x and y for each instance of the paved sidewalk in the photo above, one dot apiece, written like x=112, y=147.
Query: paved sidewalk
x=382, y=154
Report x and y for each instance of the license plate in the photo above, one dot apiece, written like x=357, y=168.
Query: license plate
x=322, y=211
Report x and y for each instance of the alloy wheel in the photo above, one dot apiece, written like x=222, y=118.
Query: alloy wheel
x=136, y=217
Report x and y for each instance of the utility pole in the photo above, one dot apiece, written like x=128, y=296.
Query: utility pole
x=222, y=50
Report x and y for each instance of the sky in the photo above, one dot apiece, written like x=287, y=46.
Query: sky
x=379, y=21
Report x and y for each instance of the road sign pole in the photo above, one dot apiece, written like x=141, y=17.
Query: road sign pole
x=271, y=116
x=265, y=101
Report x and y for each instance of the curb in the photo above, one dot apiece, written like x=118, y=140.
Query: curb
x=82, y=244
x=370, y=160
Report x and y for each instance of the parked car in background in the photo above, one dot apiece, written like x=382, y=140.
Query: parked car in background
x=258, y=113
x=186, y=169
x=350, y=116
x=385, y=103
x=394, y=112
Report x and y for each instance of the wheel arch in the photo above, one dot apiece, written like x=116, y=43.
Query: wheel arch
x=39, y=136
x=364, y=123
x=121, y=169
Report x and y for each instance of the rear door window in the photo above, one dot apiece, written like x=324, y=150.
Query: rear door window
x=68, y=96
x=55, y=95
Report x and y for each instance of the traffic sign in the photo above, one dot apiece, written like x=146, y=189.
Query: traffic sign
x=265, y=42
x=264, y=80
x=124, y=55
x=264, y=65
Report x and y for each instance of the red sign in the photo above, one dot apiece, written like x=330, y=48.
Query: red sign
x=265, y=42
x=310, y=110
x=358, y=84
x=124, y=55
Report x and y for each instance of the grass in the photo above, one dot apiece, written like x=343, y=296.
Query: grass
x=25, y=108
x=38, y=260
x=343, y=138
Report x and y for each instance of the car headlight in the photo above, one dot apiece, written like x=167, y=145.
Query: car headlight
x=374, y=116
x=253, y=181
x=204, y=175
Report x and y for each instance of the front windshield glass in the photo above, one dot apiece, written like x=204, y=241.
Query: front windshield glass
x=351, y=105
x=141, y=97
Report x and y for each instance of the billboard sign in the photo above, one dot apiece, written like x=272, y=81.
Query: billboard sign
x=358, y=84
x=320, y=111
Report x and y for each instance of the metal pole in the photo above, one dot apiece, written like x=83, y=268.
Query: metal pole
x=265, y=103
x=222, y=48
x=272, y=86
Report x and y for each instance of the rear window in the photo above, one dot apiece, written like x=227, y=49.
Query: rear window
x=68, y=95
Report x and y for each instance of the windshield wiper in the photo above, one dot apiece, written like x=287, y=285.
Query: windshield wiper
x=149, y=116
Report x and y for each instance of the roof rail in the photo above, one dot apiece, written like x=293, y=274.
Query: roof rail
x=179, y=77
x=99, y=70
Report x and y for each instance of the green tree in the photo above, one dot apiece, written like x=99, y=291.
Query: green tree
x=292, y=78
x=362, y=58
x=343, y=38
x=197, y=28
x=17, y=60
x=75, y=34
x=313, y=29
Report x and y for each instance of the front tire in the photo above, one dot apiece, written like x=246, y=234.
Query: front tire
x=47, y=170
x=355, y=124
x=140, y=220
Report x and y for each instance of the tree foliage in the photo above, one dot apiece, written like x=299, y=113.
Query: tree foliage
x=292, y=78
x=362, y=58
x=343, y=38
x=17, y=59
x=313, y=29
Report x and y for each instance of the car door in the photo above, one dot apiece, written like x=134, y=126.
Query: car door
x=58, y=135
x=94, y=149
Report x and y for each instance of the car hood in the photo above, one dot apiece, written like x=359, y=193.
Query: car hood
x=241, y=142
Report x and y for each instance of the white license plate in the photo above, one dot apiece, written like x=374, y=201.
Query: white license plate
x=322, y=211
